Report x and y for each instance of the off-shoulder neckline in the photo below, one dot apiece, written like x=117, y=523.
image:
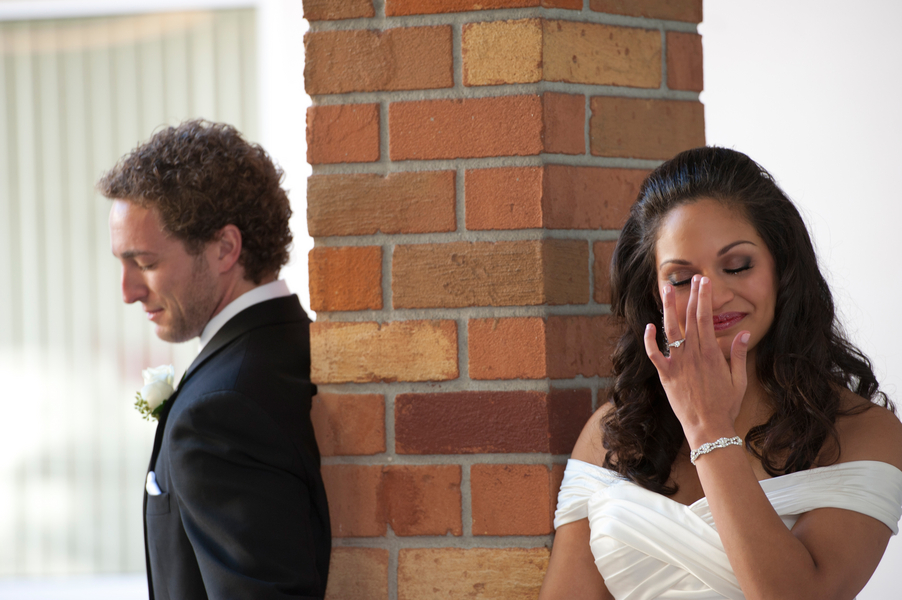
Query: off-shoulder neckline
x=771, y=482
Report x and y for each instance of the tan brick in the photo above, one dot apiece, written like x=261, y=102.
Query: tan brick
x=330, y=10
x=364, y=204
x=603, y=252
x=368, y=60
x=497, y=489
x=504, y=198
x=465, y=128
x=507, y=348
x=500, y=52
x=355, y=500
x=343, y=133
x=346, y=278
x=358, y=574
x=477, y=573
x=517, y=273
x=589, y=197
x=566, y=271
x=580, y=345
x=394, y=351
x=565, y=123
x=423, y=499
x=349, y=424
x=684, y=61
x=673, y=10
x=598, y=54
x=397, y=8
x=652, y=129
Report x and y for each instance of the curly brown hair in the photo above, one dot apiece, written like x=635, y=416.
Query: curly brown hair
x=202, y=176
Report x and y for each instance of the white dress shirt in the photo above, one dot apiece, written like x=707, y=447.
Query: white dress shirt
x=269, y=291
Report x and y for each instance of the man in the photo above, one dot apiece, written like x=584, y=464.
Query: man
x=235, y=505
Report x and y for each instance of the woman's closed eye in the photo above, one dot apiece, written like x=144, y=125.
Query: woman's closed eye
x=680, y=279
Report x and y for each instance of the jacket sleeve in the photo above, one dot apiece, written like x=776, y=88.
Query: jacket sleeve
x=244, y=495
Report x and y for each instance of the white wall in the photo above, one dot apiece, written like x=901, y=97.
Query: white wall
x=811, y=90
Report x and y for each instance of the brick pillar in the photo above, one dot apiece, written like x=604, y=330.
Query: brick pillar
x=472, y=164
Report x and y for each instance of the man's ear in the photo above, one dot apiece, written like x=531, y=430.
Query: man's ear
x=229, y=247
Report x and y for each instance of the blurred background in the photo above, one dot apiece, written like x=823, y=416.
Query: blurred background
x=808, y=89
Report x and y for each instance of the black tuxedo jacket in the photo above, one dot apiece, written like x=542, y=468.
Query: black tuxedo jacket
x=242, y=513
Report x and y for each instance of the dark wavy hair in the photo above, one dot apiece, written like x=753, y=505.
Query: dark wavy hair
x=202, y=176
x=802, y=362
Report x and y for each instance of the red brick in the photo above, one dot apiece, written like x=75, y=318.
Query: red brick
x=397, y=8
x=502, y=52
x=465, y=128
x=589, y=197
x=349, y=424
x=507, y=348
x=597, y=54
x=364, y=204
x=504, y=198
x=567, y=4
x=489, y=422
x=568, y=411
x=347, y=278
x=673, y=10
x=684, y=61
x=405, y=58
x=565, y=123
x=652, y=129
x=355, y=500
x=423, y=500
x=517, y=273
x=330, y=10
x=394, y=351
x=358, y=574
x=511, y=499
x=603, y=252
x=580, y=345
x=343, y=133
x=497, y=573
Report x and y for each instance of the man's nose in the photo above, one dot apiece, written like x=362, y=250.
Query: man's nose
x=133, y=287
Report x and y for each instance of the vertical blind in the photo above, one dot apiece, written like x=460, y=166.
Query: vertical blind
x=75, y=95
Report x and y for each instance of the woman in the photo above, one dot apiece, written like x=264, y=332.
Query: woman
x=746, y=451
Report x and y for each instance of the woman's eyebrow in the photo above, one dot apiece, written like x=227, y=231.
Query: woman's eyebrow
x=728, y=247
x=721, y=252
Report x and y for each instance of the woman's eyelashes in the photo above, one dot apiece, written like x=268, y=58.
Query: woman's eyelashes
x=681, y=279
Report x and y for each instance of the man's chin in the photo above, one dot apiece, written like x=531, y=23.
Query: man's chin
x=173, y=336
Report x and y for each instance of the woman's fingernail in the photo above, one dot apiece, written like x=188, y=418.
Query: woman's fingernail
x=744, y=338
x=667, y=289
x=704, y=280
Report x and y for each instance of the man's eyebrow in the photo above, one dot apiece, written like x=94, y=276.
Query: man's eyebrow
x=134, y=253
x=721, y=252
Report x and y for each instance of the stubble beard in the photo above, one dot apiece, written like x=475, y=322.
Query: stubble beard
x=199, y=303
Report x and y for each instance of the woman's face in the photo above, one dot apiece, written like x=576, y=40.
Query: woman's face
x=707, y=238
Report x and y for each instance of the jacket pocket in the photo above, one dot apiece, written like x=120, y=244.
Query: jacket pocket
x=158, y=505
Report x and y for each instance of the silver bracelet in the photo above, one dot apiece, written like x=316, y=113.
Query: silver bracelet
x=721, y=443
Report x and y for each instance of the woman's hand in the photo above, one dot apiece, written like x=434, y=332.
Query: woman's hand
x=704, y=390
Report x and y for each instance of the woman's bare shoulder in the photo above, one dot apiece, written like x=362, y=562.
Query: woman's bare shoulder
x=868, y=432
x=589, y=447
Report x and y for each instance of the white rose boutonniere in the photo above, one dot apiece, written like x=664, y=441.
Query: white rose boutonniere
x=156, y=391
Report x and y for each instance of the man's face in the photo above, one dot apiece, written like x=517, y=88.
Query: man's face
x=178, y=291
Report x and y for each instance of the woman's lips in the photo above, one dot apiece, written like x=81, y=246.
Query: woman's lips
x=727, y=320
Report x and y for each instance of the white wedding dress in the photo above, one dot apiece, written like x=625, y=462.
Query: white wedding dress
x=649, y=546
